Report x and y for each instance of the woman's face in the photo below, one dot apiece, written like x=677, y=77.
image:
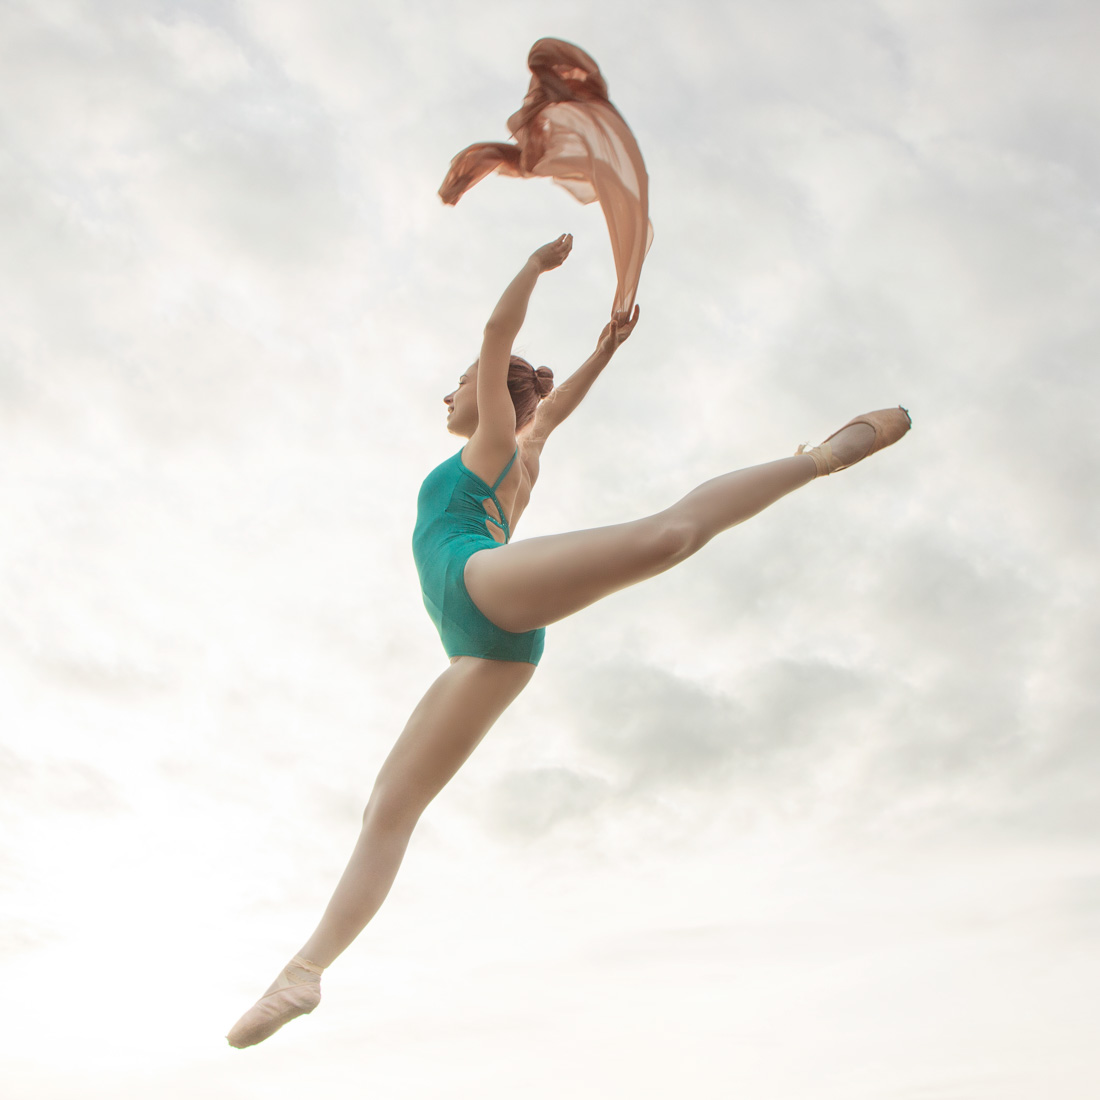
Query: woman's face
x=462, y=405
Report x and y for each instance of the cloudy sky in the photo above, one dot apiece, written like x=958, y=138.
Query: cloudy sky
x=813, y=814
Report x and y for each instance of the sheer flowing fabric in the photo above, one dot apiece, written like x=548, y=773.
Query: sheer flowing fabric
x=568, y=130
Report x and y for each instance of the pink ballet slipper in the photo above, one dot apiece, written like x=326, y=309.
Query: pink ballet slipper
x=889, y=425
x=293, y=994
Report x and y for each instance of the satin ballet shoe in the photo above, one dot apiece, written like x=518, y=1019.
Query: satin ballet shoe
x=294, y=994
x=889, y=425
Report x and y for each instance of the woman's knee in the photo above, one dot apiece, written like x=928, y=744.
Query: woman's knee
x=392, y=808
x=675, y=538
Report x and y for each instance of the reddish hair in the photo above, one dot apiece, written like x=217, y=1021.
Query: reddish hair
x=527, y=387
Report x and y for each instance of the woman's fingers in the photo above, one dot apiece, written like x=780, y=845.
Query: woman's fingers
x=622, y=325
x=553, y=254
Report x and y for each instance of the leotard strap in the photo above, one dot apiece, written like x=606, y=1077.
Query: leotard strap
x=504, y=472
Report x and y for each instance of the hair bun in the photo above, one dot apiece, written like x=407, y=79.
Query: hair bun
x=544, y=381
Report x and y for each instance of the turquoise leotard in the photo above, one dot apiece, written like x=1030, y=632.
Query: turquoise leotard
x=450, y=526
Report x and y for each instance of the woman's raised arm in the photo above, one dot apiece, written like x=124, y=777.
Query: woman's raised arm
x=496, y=414
x=563, y=399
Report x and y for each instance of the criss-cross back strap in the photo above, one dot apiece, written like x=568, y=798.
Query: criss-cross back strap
x=504, y=472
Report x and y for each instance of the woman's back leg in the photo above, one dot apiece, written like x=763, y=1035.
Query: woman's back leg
x=444, y=729
x=446, y=726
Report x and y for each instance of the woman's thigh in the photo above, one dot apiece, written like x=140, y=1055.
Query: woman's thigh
x=447, y=725
x=539, y=581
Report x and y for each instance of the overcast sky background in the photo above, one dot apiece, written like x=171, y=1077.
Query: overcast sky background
x=814, y=814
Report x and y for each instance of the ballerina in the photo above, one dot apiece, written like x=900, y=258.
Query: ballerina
x=491, y=598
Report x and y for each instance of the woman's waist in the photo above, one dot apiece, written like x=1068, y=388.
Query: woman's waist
x=436, y=539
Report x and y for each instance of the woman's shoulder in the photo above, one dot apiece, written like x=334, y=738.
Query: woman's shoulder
x=487, y=459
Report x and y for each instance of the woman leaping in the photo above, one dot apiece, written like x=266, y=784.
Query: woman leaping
x=492, y=598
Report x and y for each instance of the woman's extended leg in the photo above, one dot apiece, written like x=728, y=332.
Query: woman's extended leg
x=538, y=581
x=444, y=729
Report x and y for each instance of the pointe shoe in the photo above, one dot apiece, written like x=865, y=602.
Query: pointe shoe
x=291, y=997
x=889, y=425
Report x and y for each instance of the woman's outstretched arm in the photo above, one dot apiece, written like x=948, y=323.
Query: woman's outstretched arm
x=563, y=399
x=496, y=413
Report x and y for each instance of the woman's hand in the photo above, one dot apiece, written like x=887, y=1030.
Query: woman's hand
x=616, y=331
x=553, y=254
